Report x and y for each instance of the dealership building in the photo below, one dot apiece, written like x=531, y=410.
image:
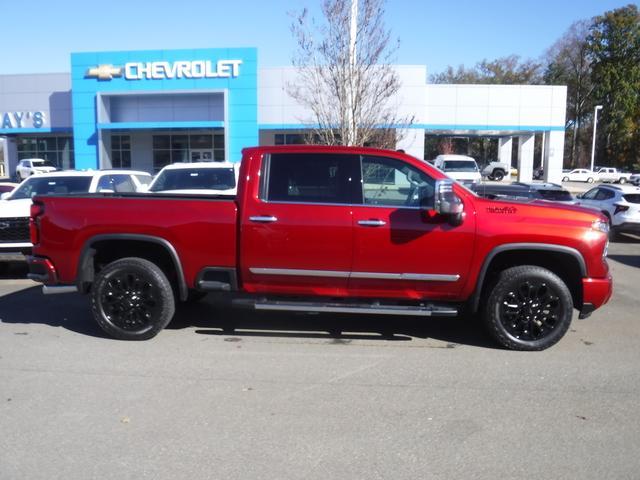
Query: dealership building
x=146, y=109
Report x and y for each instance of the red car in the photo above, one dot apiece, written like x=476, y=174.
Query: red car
x=328, y=229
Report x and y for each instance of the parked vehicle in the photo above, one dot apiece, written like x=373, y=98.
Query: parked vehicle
x=459, y=167
x=212, y=178
x=33, y=166
x=635, y=179
x=579, y=175
x=15, y=206
x=620, y=204
x=496, y=171
x=612, y=175
x=6, y=187
x=327, y=229
x=524, y=191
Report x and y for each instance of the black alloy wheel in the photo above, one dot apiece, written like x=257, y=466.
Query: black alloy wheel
x=529, y=308
x=132, y=299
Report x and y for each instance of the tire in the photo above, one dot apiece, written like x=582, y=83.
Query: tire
x=565, y=179
x=622, y=181
x=132, y=299
x=195, y=296
x=590, y=180
x=498, y=175
x=528, y=308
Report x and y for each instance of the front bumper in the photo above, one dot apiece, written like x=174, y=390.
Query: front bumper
x=595, y=293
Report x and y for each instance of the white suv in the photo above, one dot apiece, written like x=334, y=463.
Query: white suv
x=33, y=166
x=459, y=167
x=198, y=178
x=15, y=206
x=620, y=204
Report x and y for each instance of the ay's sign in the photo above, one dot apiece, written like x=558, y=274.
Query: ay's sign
x=15, y=120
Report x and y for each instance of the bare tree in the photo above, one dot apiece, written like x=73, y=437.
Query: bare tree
x=345, y=77
x=569, y=64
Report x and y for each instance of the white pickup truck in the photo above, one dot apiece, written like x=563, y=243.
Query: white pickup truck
x=612, y=175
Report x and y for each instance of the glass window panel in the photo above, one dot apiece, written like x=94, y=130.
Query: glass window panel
x=315, y=178
x=161, y=141
x=201, y=141
x=64, y=143
x=115, y=142
x=180, y=155
x=178, y=142
x=161, y=158
x=125, y=141
x=218, y=141
x=390, y=182
x=116, y=159
x=279, y=139
x=218, y=155
x=126, y=159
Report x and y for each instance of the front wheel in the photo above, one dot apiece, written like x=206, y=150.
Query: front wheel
x=589, y=180
x=132, y=299
x=622, y=180
x=529, y=308
x=565, y=179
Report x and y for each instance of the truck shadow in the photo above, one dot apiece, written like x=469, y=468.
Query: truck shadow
x=72, y=312
x=211, y=319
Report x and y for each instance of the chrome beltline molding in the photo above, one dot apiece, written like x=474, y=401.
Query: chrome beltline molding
x=427, y=277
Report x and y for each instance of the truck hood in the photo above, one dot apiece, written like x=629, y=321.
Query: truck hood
x=15, y=208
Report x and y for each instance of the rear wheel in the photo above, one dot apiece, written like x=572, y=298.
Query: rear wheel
x=498, y=175
x=622, y=180
x=132, y=299
x=589, y=180
x=529, y=308
x=565, y=179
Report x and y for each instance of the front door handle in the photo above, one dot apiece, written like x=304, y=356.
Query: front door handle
x=372, y=223
x=264, y=219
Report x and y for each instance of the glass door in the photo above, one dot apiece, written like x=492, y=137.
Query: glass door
x=201, y=155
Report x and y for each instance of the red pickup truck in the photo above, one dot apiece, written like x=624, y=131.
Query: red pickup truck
x=327, y=229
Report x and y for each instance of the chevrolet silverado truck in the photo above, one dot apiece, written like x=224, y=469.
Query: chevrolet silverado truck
x=327, y=229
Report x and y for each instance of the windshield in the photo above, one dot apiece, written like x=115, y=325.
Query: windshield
x=43, y=163
x=195, y=179
x=459, y=166
x=556, y=195
x=47, y=186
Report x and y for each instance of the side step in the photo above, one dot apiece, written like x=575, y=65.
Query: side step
x=427, y=310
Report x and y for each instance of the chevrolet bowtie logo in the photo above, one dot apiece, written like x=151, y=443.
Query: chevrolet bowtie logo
x=104, y=72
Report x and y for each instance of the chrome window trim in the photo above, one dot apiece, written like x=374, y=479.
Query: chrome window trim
x=424, y=277
x=396, y=207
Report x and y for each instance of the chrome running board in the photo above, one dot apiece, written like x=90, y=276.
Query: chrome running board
x=428, y=310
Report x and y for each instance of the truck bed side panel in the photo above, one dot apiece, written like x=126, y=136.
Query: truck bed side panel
x=202, y=231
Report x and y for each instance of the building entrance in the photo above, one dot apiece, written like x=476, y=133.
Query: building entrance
x=201, y=155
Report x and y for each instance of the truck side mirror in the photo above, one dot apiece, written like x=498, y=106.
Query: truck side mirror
x=447, y=203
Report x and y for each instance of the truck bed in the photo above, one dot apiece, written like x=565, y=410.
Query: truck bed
x=202, y=229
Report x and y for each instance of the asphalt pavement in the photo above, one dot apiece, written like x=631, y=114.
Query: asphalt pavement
x=231, y=394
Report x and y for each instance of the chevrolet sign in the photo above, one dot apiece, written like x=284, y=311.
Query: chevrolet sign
x=168, y=70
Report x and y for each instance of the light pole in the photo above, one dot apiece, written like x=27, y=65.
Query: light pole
x=595, y=126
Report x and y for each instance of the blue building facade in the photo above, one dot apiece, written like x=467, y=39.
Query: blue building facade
x=179, y=92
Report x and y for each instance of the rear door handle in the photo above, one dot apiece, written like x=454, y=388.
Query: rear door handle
x=264, y=219
x=372, y=223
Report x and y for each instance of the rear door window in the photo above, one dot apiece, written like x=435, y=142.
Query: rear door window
x=632, y=198
x=312, y=178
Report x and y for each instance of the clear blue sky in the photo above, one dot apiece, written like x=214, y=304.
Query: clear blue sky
x=39, y=34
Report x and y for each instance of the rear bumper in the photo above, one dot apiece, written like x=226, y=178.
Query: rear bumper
x=42, y=270
x=595, y=293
